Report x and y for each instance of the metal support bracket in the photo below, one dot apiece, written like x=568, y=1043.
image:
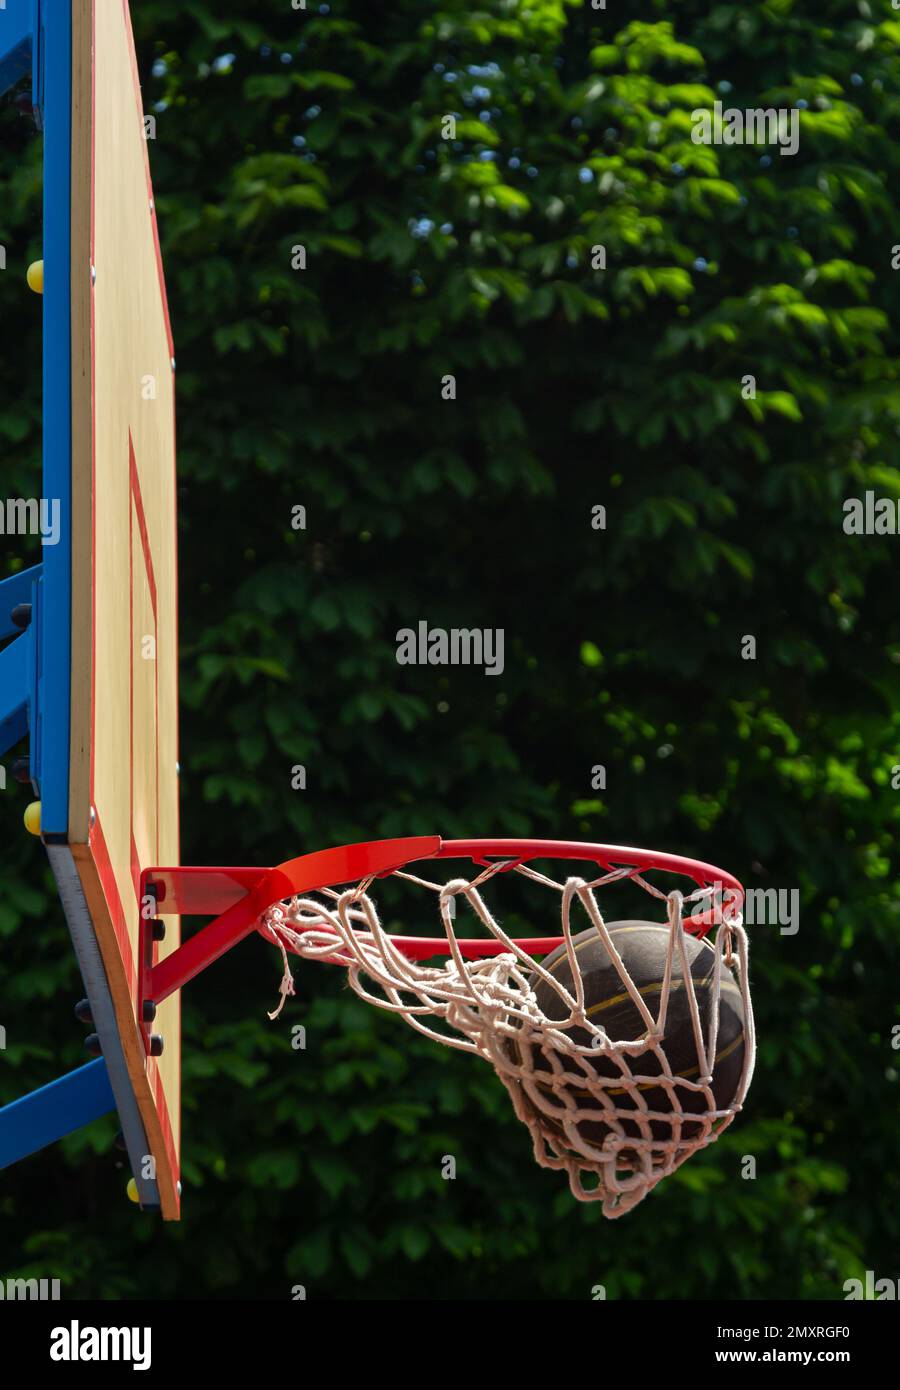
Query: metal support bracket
x=240, y=896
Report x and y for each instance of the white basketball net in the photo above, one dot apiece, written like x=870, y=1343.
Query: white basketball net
x=486, y=1005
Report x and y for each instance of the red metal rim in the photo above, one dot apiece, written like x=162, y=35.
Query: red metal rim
x=240, y=896
x=606, y=856
x=512, y=853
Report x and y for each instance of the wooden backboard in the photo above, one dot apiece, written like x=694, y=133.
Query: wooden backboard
x=123, y=773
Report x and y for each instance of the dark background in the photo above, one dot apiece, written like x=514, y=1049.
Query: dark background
x=322, y=388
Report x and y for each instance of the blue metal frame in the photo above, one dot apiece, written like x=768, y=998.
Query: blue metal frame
x=36, y=35
x=35, y=668
x=18, y=663
x=15, y=692
x=54, y=1111
x=16, y=589
x=50, y=759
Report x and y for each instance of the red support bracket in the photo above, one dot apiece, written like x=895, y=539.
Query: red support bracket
x=240, y=896
x=200, y=891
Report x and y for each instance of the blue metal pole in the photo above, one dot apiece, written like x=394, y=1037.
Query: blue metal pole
x=50, y=758
x=58, y=1109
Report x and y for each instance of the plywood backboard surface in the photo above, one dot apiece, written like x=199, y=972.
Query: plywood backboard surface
x=123, y=798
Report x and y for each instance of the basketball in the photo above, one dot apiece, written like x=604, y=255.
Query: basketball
x=643, y=948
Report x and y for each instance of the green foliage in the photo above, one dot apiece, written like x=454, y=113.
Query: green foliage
x=576, y=386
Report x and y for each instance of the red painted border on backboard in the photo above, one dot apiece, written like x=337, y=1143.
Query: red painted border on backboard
x=150, y=197
x=136, y=508
x=138, y=497
x=110, y=887
x=171, y=340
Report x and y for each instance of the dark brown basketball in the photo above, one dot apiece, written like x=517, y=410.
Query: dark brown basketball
x=642, y=946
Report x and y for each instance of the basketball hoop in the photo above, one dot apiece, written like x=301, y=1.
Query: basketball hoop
x=625, y=1046
x=589, y=1076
